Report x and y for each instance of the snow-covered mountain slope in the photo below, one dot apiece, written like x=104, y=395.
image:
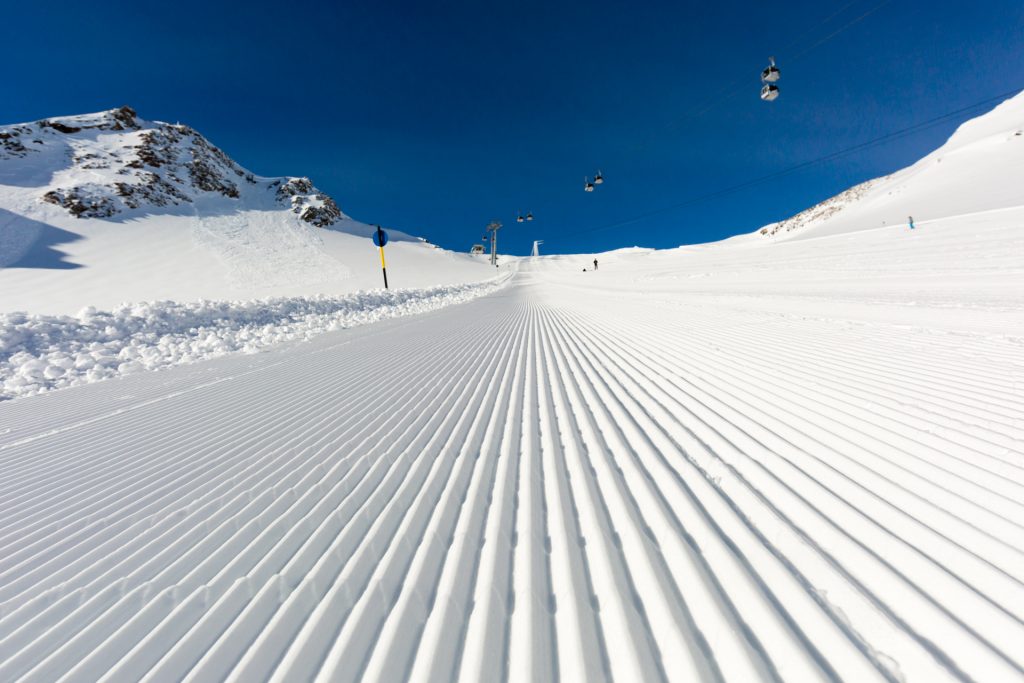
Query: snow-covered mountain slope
x=980, y=168
x=104, y=208
x=795, y=461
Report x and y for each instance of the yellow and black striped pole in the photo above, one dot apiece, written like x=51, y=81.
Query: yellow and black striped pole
x=380, y=239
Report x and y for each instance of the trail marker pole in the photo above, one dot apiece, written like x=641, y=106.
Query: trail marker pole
x=380, y=238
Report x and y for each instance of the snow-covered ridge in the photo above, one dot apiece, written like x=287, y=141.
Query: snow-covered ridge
x=978, y=169
x=43, y=352
x=821, y=211
x=110, y=163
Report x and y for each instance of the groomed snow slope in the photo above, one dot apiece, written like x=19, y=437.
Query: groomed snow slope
x=800, y=461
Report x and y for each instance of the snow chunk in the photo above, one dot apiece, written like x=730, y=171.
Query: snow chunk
x=41, y=352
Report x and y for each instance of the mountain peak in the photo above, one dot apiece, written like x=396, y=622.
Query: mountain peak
x=122, y=118
x=109, y=163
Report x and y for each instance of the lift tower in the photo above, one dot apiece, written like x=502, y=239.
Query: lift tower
x=493, y=229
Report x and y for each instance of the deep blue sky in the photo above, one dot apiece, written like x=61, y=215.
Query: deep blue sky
x=436, y=117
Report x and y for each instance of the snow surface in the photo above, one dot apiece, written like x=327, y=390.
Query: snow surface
x=43, y=352
x=676, y=467
x=761, y=459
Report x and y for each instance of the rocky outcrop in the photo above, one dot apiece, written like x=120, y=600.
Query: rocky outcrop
x=12, y=142
x=84, y=201
x=136, y=164
x=312, y=205
x=821, y=211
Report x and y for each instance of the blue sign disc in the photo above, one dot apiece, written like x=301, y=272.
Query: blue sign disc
x=380, y=237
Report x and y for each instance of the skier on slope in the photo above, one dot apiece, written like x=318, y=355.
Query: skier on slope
x=910, y=221
x=595, y=264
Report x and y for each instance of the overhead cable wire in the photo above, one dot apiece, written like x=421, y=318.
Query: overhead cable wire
x=924, y=125
x=732, y=89
x=841, y=29
x=740, y=85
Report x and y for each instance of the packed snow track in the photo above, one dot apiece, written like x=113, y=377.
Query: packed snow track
x=560, y=481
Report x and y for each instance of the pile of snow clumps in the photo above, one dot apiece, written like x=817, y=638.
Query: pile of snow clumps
x=43, y=352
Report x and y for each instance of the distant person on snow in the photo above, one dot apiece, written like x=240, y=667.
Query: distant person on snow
x=595, y=264
x=910, y=220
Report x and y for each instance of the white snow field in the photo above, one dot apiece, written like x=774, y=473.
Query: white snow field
x=792, y=457
x=672, y=468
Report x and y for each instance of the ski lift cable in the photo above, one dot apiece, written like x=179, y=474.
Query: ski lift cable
x=743, y=84
x=740, y=85
x=903, y=132
x=785, y=48
x=829, y=157
x=841, y=29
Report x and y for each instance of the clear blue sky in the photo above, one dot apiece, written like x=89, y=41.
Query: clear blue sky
x=436, y=117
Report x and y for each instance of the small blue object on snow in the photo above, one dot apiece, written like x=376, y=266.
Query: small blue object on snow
x=380, y=237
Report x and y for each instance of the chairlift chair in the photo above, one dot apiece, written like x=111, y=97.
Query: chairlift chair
x=588, y=186
x=529, y=215
x=772, y=73
x=769, y=92
x=598, y=179
x=519, y=218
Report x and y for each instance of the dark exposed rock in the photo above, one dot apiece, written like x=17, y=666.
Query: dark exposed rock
x=321, y=216
x=11, y=145
x=59, y=127
x=124, y=118
x=157, y=148
x=80, y=204
x=312, y=206
x=205, y=176
x=293, y=187
x=154, y=191
x=90, y=161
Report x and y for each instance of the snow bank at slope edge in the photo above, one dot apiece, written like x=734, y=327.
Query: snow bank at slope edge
x=43, y=352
